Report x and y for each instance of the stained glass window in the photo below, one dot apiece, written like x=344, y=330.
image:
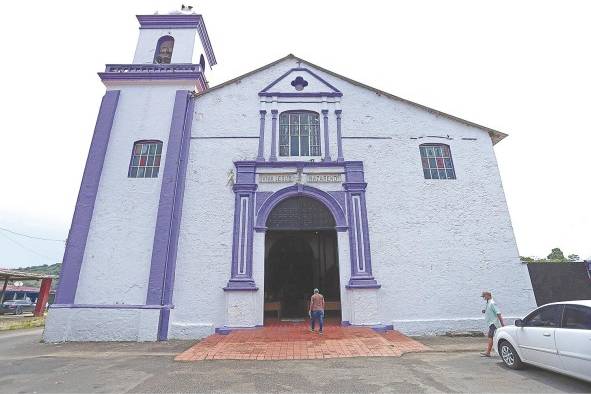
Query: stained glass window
x=437, y=162
x=145, y=159
x=299, y=134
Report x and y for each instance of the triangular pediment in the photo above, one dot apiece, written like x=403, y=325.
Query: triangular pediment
x=300, y=82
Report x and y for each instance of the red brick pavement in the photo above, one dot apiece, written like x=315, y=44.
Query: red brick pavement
x=296, y=342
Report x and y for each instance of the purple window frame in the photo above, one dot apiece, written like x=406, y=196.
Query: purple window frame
x=138, y=166
x=431, y=164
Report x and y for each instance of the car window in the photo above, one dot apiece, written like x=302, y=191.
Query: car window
x=548, y=316
x=577, y=317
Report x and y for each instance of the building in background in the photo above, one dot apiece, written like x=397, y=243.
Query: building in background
x=205, y=209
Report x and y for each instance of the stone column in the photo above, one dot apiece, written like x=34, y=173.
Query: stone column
x=273, y=135
x=261, y=154
x=361, y=273
x=244, y=192
x=326, y=140
x=340, y=157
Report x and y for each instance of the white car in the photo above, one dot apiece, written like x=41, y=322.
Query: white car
x=555, y=336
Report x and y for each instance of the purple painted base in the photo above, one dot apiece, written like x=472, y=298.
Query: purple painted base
x=241, y=285
x=227, y=330
x=383, y=327
x=377, y=327
x=363, y=283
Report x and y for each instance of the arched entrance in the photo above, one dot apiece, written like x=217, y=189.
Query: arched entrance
x=301, y=253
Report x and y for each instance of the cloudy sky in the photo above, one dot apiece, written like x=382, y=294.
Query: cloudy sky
x=519, y=67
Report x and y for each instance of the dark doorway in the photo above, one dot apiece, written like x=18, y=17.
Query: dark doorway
x=301, y=254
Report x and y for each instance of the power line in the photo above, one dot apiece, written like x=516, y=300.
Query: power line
x=31, y=236
x=28, y=249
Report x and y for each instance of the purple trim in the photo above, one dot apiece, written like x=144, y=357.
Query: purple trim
x=261, y=154
x=340, y=157
x=302, y=164
x=243, y=223
x=356, y=219
x=326, y=140
x=244, y=192
x=334, y=93
x=341, y=198
x=273, y=135
x=109, y=306
x=307, y=94
x=300, y=190
x=227, y=330
x=361, y=274
x=151, y=72
x=223, y=330
x=76, y=243
x=383, y=327
x=180, y=21
x=166, y=234
x=261, y=197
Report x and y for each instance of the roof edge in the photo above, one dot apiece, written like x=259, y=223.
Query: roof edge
x=495, y=135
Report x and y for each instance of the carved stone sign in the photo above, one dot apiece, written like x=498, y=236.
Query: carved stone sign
x=277, y=178
x=323, y=178
x=297, y=178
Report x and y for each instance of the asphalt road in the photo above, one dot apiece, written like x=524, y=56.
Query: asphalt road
x=26, y=365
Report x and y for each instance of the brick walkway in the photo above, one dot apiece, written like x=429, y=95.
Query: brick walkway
x=295, y=342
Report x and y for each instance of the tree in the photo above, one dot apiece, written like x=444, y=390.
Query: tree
x=556, y=255
x=526, y=259
x=573, y=257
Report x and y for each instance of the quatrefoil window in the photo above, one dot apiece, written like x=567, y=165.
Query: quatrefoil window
x=299, y=83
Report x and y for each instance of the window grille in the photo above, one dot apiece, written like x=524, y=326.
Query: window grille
x=299, y=134
x=437, y=161
x=145, y=159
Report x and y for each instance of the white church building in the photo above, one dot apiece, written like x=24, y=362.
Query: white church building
x=207, y=209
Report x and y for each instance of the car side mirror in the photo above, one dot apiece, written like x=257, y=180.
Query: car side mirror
x=519, y=323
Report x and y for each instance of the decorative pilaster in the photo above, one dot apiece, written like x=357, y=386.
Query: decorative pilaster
x=273, y=135
x=244, y=192
x=361, y=273
x=76, y=243
x=261, y=154
x=326, y=141
x=168, y=218
x=340, y=157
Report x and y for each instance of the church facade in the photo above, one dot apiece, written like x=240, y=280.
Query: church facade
x=207, y=209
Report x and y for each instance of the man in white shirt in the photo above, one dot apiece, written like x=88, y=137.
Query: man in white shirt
x=493, y=318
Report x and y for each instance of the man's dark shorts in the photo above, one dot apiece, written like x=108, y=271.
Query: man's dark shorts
x=491, y=330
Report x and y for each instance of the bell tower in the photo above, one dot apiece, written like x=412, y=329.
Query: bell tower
x=165, y=51
x=125, y=226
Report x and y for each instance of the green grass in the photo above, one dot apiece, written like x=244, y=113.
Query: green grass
x=19, y=324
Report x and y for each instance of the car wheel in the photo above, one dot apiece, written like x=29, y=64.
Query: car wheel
x=19, y=311
x=509, y=355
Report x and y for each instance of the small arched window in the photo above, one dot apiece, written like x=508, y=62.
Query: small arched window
x=145, y=159
x=164, y=48
x=299, y=133
x=437, y=162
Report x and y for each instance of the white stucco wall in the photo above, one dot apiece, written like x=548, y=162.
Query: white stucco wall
x=97, y=325
x=435, y=244
x=116, y=263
